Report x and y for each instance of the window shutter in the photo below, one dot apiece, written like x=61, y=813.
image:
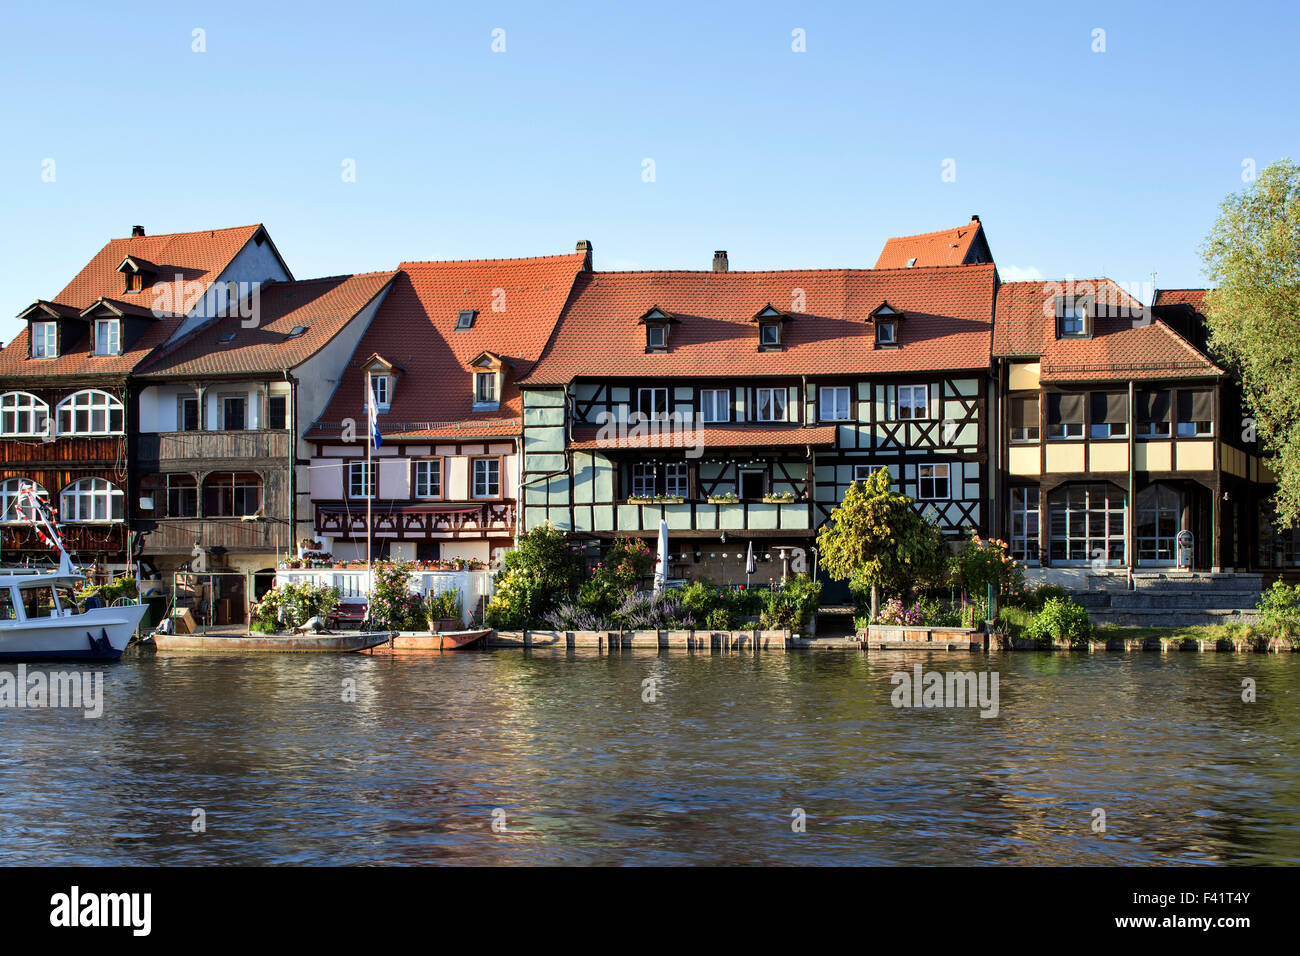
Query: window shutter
x=1153, y=406
x=1195, y=406
x=1109, y=407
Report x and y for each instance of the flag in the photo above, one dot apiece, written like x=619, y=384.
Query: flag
x=376, y=439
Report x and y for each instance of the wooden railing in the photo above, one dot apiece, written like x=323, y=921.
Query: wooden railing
x=226, y=446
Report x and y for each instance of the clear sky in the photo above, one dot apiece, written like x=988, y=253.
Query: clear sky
x=1078, y=162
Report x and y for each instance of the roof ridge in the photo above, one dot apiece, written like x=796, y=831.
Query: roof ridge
x=440, y=262
x=191, y=232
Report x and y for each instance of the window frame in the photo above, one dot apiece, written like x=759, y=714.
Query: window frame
x=116, y=339
x=887, y=332
x=95, y=489
x=428, y=463
x=705, y=411
x=110, y=406
x=491, y=379
x=381, y=389
x=769, y=328
x=1019, y=434
x=49, y=342
x=912, y=390
x=771, y=391
x=7, y=513
x=934, y=479
x=640, y=404
x=215, y=484
x=1023, y=540
x=474, y=477
x=848, y=403
x=221, y=407
x=362, y=472
x=33, y=408
x=653, y=330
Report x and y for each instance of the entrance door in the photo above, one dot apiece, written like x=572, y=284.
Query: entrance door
x=1159, y=519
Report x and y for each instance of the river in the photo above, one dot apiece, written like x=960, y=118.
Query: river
x=740, y=758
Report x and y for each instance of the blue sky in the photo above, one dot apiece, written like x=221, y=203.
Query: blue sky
x=1077, y=162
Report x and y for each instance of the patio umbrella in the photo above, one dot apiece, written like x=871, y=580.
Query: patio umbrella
x=749, y=563
x=661, y=562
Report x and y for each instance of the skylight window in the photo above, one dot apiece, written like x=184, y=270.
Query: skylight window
x=296, y=331
x=226, y=339
x=465, y=320
x=911, y=262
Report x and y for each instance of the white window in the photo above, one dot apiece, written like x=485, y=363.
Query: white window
x=487, y=477
x=652, y=403
x=428, y=478
x=91, y=499
x=1074, y=320
x=1024, y=523
x=485, y=387
x=9, y=498
x=108, y=337
x=913, y=402
x=45, y=339
x=675, y=481
x=23, y=414
x=656, y=337
x=382, y=387
x=770, y=404
x=862, y=472
x=361, y=479
x=643, y=481
x=715, y=405
x=769, y=333
x=834, y=403
x=91, y=412
x=886, y=333
x=933, y=482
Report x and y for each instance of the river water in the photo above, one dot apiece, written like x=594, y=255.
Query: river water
x=575, y=767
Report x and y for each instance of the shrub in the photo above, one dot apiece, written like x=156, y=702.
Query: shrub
x=985, y=562
x=569, y=616
x=292, y=605
x=445, y=605
x=792, y=606
x=700, y=599
x=540, y=571
x=616, y=575
x=1279, y=610
x=120, y=587
x=1060, y=619
x=652, y=612
x=720, y=619
x=392, y=604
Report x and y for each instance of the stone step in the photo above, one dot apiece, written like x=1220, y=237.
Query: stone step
x=1173, y=618
x=1157, y=600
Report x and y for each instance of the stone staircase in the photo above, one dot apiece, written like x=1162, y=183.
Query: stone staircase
x=1172, y=599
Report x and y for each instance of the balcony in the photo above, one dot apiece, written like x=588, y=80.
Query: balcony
x=417, y=521
x=178, y=535
x=163, y=448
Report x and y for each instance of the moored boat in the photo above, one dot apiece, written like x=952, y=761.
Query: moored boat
x=346, y=643
x=442, y=641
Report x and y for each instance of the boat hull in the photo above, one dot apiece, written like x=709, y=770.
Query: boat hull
x=349, y=643
x=442, y=641
x=100, y=634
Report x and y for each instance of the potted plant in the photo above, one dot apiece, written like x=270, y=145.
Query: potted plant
x=726, y=498
x=443, y=611
x=780, y=497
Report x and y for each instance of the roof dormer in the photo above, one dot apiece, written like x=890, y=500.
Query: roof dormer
x=382, y=376
x=138, y=274
x=886, y=320
x=770, y=321
x=657, y=322
x=489, y=378
x=1074, y=315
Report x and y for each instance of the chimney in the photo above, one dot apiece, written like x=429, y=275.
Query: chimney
x=720, y=261
x=974, y=218
x=584, y=246
x=137, y=231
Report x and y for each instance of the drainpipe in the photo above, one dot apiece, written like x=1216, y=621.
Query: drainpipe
x=292, y=413
x=1129, y=539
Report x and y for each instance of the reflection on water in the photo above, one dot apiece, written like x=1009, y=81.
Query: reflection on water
x=287, y=771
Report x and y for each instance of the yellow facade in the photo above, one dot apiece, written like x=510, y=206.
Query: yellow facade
x=1024, y=460
x=1195, y=456
x=1153, y=456
x=1065, y=458
x=1108, y=456
x=1024, y=375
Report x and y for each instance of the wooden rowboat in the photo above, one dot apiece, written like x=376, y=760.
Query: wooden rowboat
x=347, y=643
x=442, y=641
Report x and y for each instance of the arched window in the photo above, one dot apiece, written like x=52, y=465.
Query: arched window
x=232, y=495
x=23, y=414
x=90, y=412
x=9, y=494
x=91, y=499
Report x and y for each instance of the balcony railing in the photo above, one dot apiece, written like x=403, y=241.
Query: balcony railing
x=415, y=520
x=228, y=446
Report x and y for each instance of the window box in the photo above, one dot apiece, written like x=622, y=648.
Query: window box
x=780, y=498
x=730, y=498
x=656, y=500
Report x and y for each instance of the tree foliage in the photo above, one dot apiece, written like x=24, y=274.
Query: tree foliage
x=1252, y=254
x=541, y=570
x=876, y=539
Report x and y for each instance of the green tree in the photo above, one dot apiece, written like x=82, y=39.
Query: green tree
x=876, y=541
x=541, y=570
x=1252, y=254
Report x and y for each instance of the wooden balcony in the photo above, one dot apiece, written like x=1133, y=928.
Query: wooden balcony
x=178, y=535
x=108, y=538
x=417, y=521
x=170, y=448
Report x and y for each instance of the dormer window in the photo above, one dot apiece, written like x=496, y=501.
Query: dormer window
x=465, y=319
x=770, y=319
x=657, y=322
x=137, y=273
x=485, y=387
x=1074, y=316
x=886, y=318
x=45, y=340
x=488, y=372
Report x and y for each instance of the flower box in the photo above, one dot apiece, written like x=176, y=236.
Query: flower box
x=657, y=500
x=724, y=499
x=783, y=499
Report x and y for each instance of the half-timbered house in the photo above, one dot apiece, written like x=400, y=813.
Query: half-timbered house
x=740, y=406
x=444, y=357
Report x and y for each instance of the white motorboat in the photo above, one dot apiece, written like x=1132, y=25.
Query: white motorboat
x=40, y=619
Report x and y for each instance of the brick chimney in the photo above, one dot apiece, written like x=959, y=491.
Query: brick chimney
x=974, y=218
x=720, y=261
x=137, y=231
x=584, y=246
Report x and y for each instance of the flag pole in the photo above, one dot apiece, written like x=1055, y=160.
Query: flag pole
x=370, y=442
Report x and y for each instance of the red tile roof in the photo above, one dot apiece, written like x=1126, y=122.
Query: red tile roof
x=80, y=360
x=947, y=247
x=708, y=436
x=322, y=306
x=946, y=323
x=518, y=302
x=1192, y=297
x=195, y=256
x=1127, y=341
